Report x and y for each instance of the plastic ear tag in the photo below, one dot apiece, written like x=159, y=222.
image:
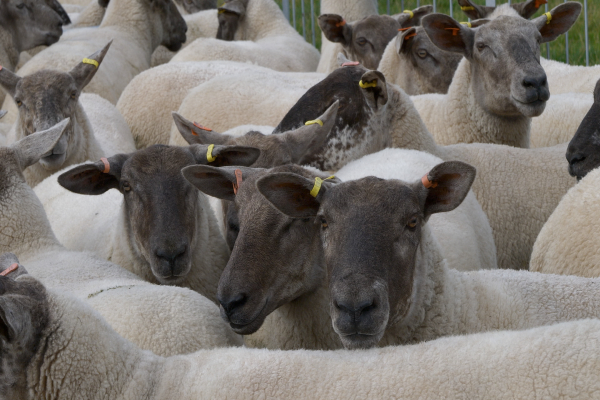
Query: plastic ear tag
x=427, y=183
x=548, y=17
x=454, y=30
x=539, y=3
x=468, y=8
x=367, y=84
x=410, y=35
x=209, y=156
x=106, y=165
x=350, y=63
x=91, y=62
x=404, y=29
x=221, y=11
x=467, y=24
x=317, y=187
x=238, y=180
x=412, y=14
x=316, y=121
x=197, y=125
x=0, y=67
x=340, y=23
x=10, y=269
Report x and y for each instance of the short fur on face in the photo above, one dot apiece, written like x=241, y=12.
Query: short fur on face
x=173, y=24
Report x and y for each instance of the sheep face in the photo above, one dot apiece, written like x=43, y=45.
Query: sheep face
x=426, y=68
x=275, y=259
x=172, y=23
x=47, y=97
x=33, y=22
x=193, y=6
x=229, y=17
x=24, y=316
x=583, y=153
x=507, y=79
x=526, y=9
x=371, y=232
x=160, y=207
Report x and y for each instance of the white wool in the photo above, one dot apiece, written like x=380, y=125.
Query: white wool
x=568, y=242
x=81, y=3
x=90, y=15
x=264, y=37
x=565, y=78
x=101, y=129
x=79, y=220
x=96, y=363
x=464, y=234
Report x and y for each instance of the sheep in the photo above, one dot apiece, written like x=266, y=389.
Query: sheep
x=498, y=87
x=155, y=224
x=264, y=37
x=166, y=320
x=388, y=281
x=507, y=179
x=60, y=340
x=25, y=25
x=137, y=27
x=365, y=40
x=525, y=9
x=295, y=315
x=48, y=96
x=229, y=17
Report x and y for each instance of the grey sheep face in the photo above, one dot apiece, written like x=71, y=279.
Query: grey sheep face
x=583, y=153
x=33, y=22
x=507, y=78
x=47, y=97
x=526, y=9
x=230, y=14
x=193, y=6
x=174, y=27
x=160, y=206
x=371, y=232
x=275, y=259
x=365, y=40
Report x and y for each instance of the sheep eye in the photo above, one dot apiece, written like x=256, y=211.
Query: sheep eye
x=74, y=95
x=324, y=223
x=481, y=46
x=19, y=103
x=412, y=224
x=361, y=41
x=422, y=53
x=126, y=186
x=20, y=6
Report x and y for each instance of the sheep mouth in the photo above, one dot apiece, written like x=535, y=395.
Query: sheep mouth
x=360, y=340
x=248, y=328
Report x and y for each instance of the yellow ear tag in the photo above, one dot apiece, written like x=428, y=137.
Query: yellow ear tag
x=209, y=156
x=90, y=61
x=318, y=181
x=548, y=17
x=221, y=11
x=368, y=84
x=316, y=121
x=468, y=8
x=467, y=24
x=412, y=14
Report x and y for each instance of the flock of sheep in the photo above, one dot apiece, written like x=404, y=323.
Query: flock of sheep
x=393, y=217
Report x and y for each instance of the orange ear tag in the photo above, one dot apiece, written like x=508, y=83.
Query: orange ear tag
x=410, y=36
x=454, y=31
x=427, y=183
x=350, y=64
x=10, y=269
x=404, y=29
x=238, y=180
x=539, y=3
x=341, y=23
x=197, y=125
x=106, y=165
x=0, y=67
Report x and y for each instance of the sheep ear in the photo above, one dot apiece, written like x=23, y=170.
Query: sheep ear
x=33, y=147
x=86, y=69
x=220, y=156
x=95, y=178
x=56, y=6
x=597, y=92
x=197, y=134
x=309, y=139
x=448, y=34
x=402, y=43
x=561, y=19
x=2, y=113
x=374, y=89
x=216, y=182
x=7, y=260
x=335, y=28
x=407, y=19
x=291, y=194
x=235, y=7
x=446, y=186
x=9, y=81
x=528, y=8
x=473, y=10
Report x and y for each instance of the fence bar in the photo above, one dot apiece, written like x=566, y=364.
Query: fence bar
x=451, y=9
x=418, y=3
x=547, y=44
x=402, y=5
x=566, y=43
x=388, y=7
x=312, y=21
x=285, y=5
x=434, y=6
x=294, y=12
x=303, y=23
x=490, y=3
x=587, y=44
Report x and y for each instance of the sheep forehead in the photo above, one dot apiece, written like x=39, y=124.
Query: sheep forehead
x=43, y=82
x=504, y=27
x=158, y=160
x=376, y=27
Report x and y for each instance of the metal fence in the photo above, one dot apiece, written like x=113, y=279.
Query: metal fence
x=308, y=25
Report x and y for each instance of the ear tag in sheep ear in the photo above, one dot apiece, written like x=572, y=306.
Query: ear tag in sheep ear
x=410, y=13
x=340, y=23
x=539, y=3
x=350, y=63
x=10, y=269
x=106, y=165
x=412, y=35
x=427, y=183
x=367, y=84
x=197, y=125
x=454, y=30
x=315, y=121
x=318, y=181
x=0, y=67
x=548, y=17
x=91, y=62
x=238, y=180
x=468, y=8
x=221, y=11
x=209, y=156
x=467, y=24
x=404, y=29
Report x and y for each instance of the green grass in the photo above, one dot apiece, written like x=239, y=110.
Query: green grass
x=557, y=48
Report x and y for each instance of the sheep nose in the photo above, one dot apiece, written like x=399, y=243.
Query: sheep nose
x=229, y=304
x=356, y=310
x=535, y=82
x=575, y=158
x=171, y=255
